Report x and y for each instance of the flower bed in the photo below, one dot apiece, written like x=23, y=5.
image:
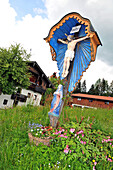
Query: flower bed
x=77, y=141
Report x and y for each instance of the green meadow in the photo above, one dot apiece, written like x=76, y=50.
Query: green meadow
x=16, y=152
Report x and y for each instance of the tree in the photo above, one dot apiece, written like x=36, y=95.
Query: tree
x=78, y=88
x=92, y=90
x=13, y=69
x=97, y=87
x=111, y=88
x=104, y=87
x=83, y=87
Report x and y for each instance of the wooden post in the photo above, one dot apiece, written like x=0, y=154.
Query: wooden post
x=66, y=81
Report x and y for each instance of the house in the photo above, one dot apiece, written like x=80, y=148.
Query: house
x=39, y=82
x=92, y=101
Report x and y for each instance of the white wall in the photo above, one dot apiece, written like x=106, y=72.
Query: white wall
x=34, y=99
x=9, y=101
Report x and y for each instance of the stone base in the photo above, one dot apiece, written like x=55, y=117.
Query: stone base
x=36, y=141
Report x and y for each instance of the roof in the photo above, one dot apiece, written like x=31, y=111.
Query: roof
x=37, y=67
x=93, y=97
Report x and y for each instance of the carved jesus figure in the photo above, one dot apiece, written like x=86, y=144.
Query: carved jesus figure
x=69, y=54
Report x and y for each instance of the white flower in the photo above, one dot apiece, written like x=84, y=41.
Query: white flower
x=40, y=131
x=37, y=129
x=36, y=133
x=69, y=165
x=75, y=134
x=31, y=130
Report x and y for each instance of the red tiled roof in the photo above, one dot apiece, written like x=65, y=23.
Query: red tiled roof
x=92, y=96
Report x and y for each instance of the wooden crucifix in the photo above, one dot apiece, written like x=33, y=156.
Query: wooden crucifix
x=73, y=44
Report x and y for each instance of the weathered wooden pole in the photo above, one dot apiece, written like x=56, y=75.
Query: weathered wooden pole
x=53, y=119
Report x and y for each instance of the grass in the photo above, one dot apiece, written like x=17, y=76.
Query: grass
x=15, y=149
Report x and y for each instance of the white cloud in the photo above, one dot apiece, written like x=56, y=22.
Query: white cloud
x=39, y=11
x=31, y=31
x=96, y=70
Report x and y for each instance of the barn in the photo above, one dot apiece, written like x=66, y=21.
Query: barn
x=92, y=101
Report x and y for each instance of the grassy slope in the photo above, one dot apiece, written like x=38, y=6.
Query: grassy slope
x=15, y=149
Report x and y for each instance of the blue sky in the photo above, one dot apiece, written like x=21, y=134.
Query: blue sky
x=24, y=7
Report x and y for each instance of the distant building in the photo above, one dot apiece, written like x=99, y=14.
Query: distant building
x=39, y=82
x=93, y=101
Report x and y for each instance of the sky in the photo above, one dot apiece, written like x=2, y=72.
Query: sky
x=28, y=22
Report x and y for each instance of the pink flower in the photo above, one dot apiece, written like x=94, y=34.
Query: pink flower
x=67, y=146
x=110, y=160
x=84, y=142
x=82, y=135
x=94, y=168
x=63, y=136
x=81, y=131
x=95, y=163
x=72, y=130
x=83, y=152
x=66, y=150
x=110, y=143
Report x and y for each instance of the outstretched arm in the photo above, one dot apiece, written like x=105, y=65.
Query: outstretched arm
x=81, y=39
x=62, y=41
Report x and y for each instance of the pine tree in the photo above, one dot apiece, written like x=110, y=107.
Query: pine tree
x=83, y=87
x=92, y=90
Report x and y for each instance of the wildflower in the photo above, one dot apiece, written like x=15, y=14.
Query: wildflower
x=38, y=129
x=84, y=142
x=95, y=163
x=36, y=134
x=110, y=143
x=62, y=136
x=72, y=130
x=69, y=165
x=31, y=130
x=82, y=135
x=81, y=131
x=93, y=160
x=66, y=150
x=75, y=134
x=110, y=160
x=94, y=168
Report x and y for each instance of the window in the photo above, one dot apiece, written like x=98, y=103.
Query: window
x=29, y=94
x=35, y=97
x=79, y=99
x=90, y=100
x=106, y=102
x=5, y=102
